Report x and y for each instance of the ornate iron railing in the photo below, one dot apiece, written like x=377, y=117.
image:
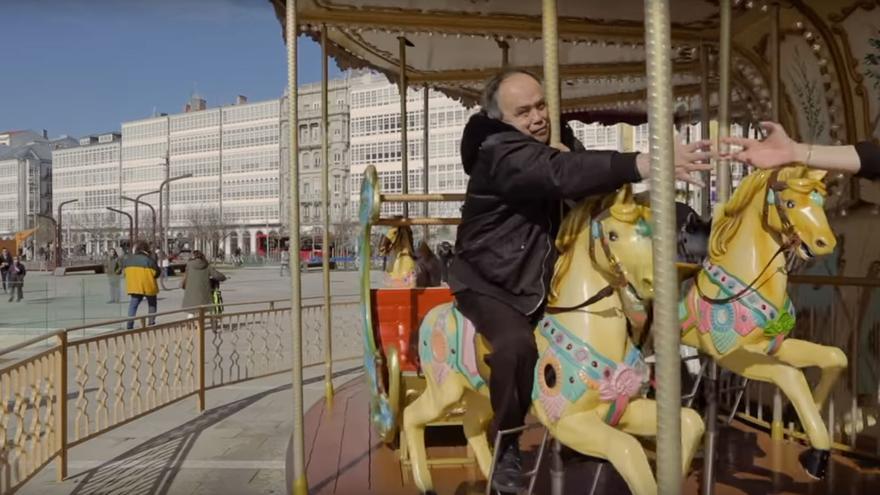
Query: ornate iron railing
x=96, y=383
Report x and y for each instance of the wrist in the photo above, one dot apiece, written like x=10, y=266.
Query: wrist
x=801, y=153
x=643, y=165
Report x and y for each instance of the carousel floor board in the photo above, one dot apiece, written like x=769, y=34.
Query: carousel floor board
x=347, y=457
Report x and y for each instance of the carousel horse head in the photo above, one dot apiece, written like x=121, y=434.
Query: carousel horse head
x=398, y=243
x=791, y=204
x=616, y=234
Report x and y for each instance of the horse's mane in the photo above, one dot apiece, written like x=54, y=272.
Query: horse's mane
x=404, y=239
x=577, y=222
x=728, y=217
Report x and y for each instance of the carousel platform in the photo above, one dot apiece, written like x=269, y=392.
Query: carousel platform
x=347, y=457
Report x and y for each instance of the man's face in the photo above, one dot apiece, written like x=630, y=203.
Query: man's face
x=522, y=105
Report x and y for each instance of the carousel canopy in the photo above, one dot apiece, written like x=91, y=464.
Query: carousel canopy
x=455, y=45
x=830, y=76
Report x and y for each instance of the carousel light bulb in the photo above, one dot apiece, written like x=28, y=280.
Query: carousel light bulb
x=816, y=47
x=822, y=62
x=764, y=8
x=750, y=4
x=808, y=35
x=799, y=25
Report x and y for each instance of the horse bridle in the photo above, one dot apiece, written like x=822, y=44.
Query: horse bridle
x=618, y=278
x=787, y=230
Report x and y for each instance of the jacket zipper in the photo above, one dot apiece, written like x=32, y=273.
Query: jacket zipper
x=544, y=265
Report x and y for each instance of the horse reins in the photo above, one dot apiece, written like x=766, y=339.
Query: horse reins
x=776, y=187
x=618, y=275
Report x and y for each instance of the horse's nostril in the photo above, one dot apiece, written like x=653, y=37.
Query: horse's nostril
x=821, y=243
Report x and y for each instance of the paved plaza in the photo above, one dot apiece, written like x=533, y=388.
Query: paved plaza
x=73, y=300
x=236, y=447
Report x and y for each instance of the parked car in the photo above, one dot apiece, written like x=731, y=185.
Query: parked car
x=181, y=256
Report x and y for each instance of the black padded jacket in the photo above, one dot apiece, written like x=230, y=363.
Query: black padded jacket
x=512, y=210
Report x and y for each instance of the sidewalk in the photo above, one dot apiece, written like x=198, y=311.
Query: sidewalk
x=237, y=446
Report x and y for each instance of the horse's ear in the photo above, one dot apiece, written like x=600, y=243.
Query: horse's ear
x=624, y=195
x=816, y=174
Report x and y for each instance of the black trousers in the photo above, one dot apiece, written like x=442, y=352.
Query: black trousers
x=513, y=357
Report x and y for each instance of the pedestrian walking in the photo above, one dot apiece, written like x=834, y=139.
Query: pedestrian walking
x=113, y=270
x=285, y=262
x=141, y=272
x=200, y=280
x=5, y=263
x=16, y=275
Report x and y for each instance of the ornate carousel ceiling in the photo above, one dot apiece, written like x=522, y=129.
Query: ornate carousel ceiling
x=830, y=75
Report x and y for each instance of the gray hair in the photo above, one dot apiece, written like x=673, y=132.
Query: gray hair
x=489, y=98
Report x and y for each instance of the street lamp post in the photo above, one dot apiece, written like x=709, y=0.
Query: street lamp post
x=54, y=226
x=137, y=201
x=163, y=226
x=130, y=227
x=58, y=233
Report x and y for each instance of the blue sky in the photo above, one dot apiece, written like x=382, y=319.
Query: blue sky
x=84, y=66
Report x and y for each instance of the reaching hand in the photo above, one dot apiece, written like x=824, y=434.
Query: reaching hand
x=688, y=158
x=775, y=150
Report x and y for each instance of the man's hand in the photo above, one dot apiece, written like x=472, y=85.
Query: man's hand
x=560, y=147
x=688, y=158
x=775, y=150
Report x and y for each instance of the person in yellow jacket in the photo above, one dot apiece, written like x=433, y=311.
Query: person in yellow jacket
x=141, y=272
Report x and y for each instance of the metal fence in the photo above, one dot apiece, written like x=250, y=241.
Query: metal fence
x=59, y=390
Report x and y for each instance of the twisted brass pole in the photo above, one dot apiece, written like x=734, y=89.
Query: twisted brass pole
x=551, y=67
x=300, y=483
x=325, y=207
x=666, y=330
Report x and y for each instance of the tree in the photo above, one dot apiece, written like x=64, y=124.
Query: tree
x=207, y=229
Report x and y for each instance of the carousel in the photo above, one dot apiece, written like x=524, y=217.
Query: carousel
x=759, y=370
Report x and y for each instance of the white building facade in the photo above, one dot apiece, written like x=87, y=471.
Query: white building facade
x=376, y=140
x=26, y=179
x=89, y=174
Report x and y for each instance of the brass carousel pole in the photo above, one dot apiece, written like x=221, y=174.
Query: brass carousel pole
x=426, y=134
x=325, y=206
x=550, y=39
x=300, y=483
x=404, y=145
x=722, y=187
x=722, y=179
x=666, y=324
x=705, y=117
x=776, y=425
x=505, y=52
x=551, y=67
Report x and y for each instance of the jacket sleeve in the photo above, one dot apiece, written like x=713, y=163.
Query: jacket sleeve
x=522, y=168
x=155, y=267
x=869, y=157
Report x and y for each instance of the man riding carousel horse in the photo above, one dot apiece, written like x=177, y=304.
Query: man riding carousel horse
x=504, y=253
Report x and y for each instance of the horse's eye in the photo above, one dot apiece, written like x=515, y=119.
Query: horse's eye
x=612, y=236
x=789, y=203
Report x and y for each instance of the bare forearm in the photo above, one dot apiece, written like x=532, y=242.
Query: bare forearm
x=833, y=158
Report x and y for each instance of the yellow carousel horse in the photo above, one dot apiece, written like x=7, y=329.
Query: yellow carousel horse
x=590, y=378
x=398, y=244
x=737, y=309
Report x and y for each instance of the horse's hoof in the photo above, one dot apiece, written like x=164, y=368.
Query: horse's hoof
x=815, y=462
